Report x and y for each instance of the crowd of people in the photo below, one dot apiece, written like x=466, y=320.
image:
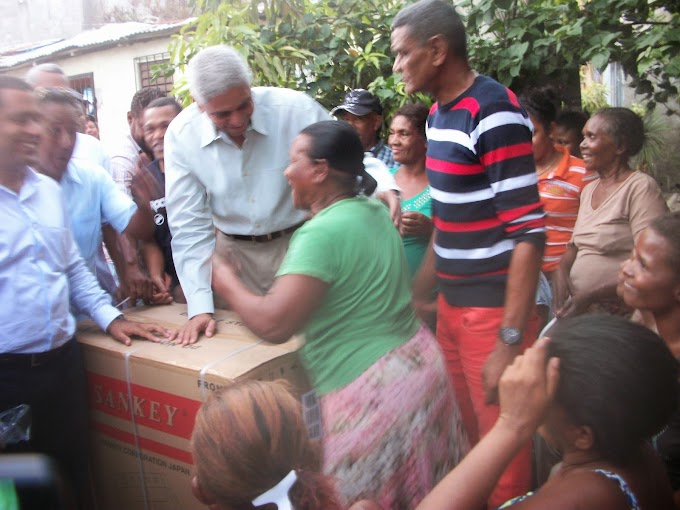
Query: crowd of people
x=420, y=264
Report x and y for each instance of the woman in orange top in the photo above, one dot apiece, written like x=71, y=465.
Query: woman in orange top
x=561, y=178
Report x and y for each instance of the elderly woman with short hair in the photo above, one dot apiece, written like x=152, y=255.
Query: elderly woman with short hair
x=614, y=210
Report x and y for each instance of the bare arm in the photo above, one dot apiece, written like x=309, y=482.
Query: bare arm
x=144, y=189
x=520, y=293
x=561, y=282
x=155, y=265
x=277, y=315
x=579, y=303
x=137, y=283
x=423, y=283
x=141, y=224
x=392, y=201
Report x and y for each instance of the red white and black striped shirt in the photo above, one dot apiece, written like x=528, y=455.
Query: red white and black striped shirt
x=484, y=191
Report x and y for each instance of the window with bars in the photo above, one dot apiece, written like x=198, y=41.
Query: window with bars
x=144, y=69
x=84, y=83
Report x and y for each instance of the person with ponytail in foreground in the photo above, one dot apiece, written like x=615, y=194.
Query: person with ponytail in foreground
x=390, y=423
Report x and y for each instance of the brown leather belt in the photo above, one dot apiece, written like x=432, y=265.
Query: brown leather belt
x=36, y=359
x=265, y=237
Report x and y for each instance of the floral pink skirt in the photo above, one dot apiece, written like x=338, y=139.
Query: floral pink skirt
x=396, y=430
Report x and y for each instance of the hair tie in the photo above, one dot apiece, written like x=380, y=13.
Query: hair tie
x=278, y=494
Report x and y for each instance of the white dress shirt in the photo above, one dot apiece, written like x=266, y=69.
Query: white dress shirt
x=41, y=271
x=212, y=182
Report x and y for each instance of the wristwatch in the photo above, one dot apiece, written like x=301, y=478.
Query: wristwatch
x=510, y=336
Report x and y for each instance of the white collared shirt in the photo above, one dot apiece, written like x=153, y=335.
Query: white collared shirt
x=212, y=182
x=41, y=270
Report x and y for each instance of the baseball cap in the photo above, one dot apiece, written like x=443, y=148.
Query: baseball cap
x=359, y=102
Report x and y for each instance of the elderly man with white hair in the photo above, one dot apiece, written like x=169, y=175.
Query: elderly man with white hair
x=225, y=190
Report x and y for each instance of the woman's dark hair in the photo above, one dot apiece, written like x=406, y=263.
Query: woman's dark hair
x=540, y=104
x=625, y=127
x=416, y=113
x=668, y=227
x=572, y=120
x=90, y=118
x=616, y=377
x=247, y=438
x=338, y=143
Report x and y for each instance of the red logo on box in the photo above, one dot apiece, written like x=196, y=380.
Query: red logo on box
x=151, y=408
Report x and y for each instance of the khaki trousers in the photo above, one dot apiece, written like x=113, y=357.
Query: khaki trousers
x=257, y=263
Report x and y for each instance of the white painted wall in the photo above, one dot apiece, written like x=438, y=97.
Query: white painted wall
x=25, y=21
x=114, y=81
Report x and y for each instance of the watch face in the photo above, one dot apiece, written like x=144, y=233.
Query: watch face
x=510, y=336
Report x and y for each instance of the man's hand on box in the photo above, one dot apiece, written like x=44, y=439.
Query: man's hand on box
x=124, y=330
x=198, y=324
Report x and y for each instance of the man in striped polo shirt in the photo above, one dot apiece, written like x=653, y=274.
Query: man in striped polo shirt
x=489, y=224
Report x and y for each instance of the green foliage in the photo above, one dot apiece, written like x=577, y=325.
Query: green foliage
x=656, y=157
x=326, y=47
x=593, y=97
x=525, y=43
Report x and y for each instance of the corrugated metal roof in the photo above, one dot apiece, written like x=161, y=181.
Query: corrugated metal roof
x=90, y=39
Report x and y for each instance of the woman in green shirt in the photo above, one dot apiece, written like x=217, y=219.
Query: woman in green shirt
x=391, y=425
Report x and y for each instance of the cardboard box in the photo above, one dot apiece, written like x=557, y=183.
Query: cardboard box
x=144, y=398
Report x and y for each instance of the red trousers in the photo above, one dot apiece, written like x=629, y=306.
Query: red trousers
x=467, y=336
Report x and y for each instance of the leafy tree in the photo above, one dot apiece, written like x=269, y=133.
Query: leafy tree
x=323, y=48
x=532, y=42
x=326, y=47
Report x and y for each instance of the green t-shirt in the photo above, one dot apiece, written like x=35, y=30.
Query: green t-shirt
x=366, y=312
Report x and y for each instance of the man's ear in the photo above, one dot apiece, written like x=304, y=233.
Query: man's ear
x=439, y=49
x=199, y=493
x=129, y=118
x=200, y=106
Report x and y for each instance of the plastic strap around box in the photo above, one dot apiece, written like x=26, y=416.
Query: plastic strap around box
x=128, y=380
x=205, y=369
